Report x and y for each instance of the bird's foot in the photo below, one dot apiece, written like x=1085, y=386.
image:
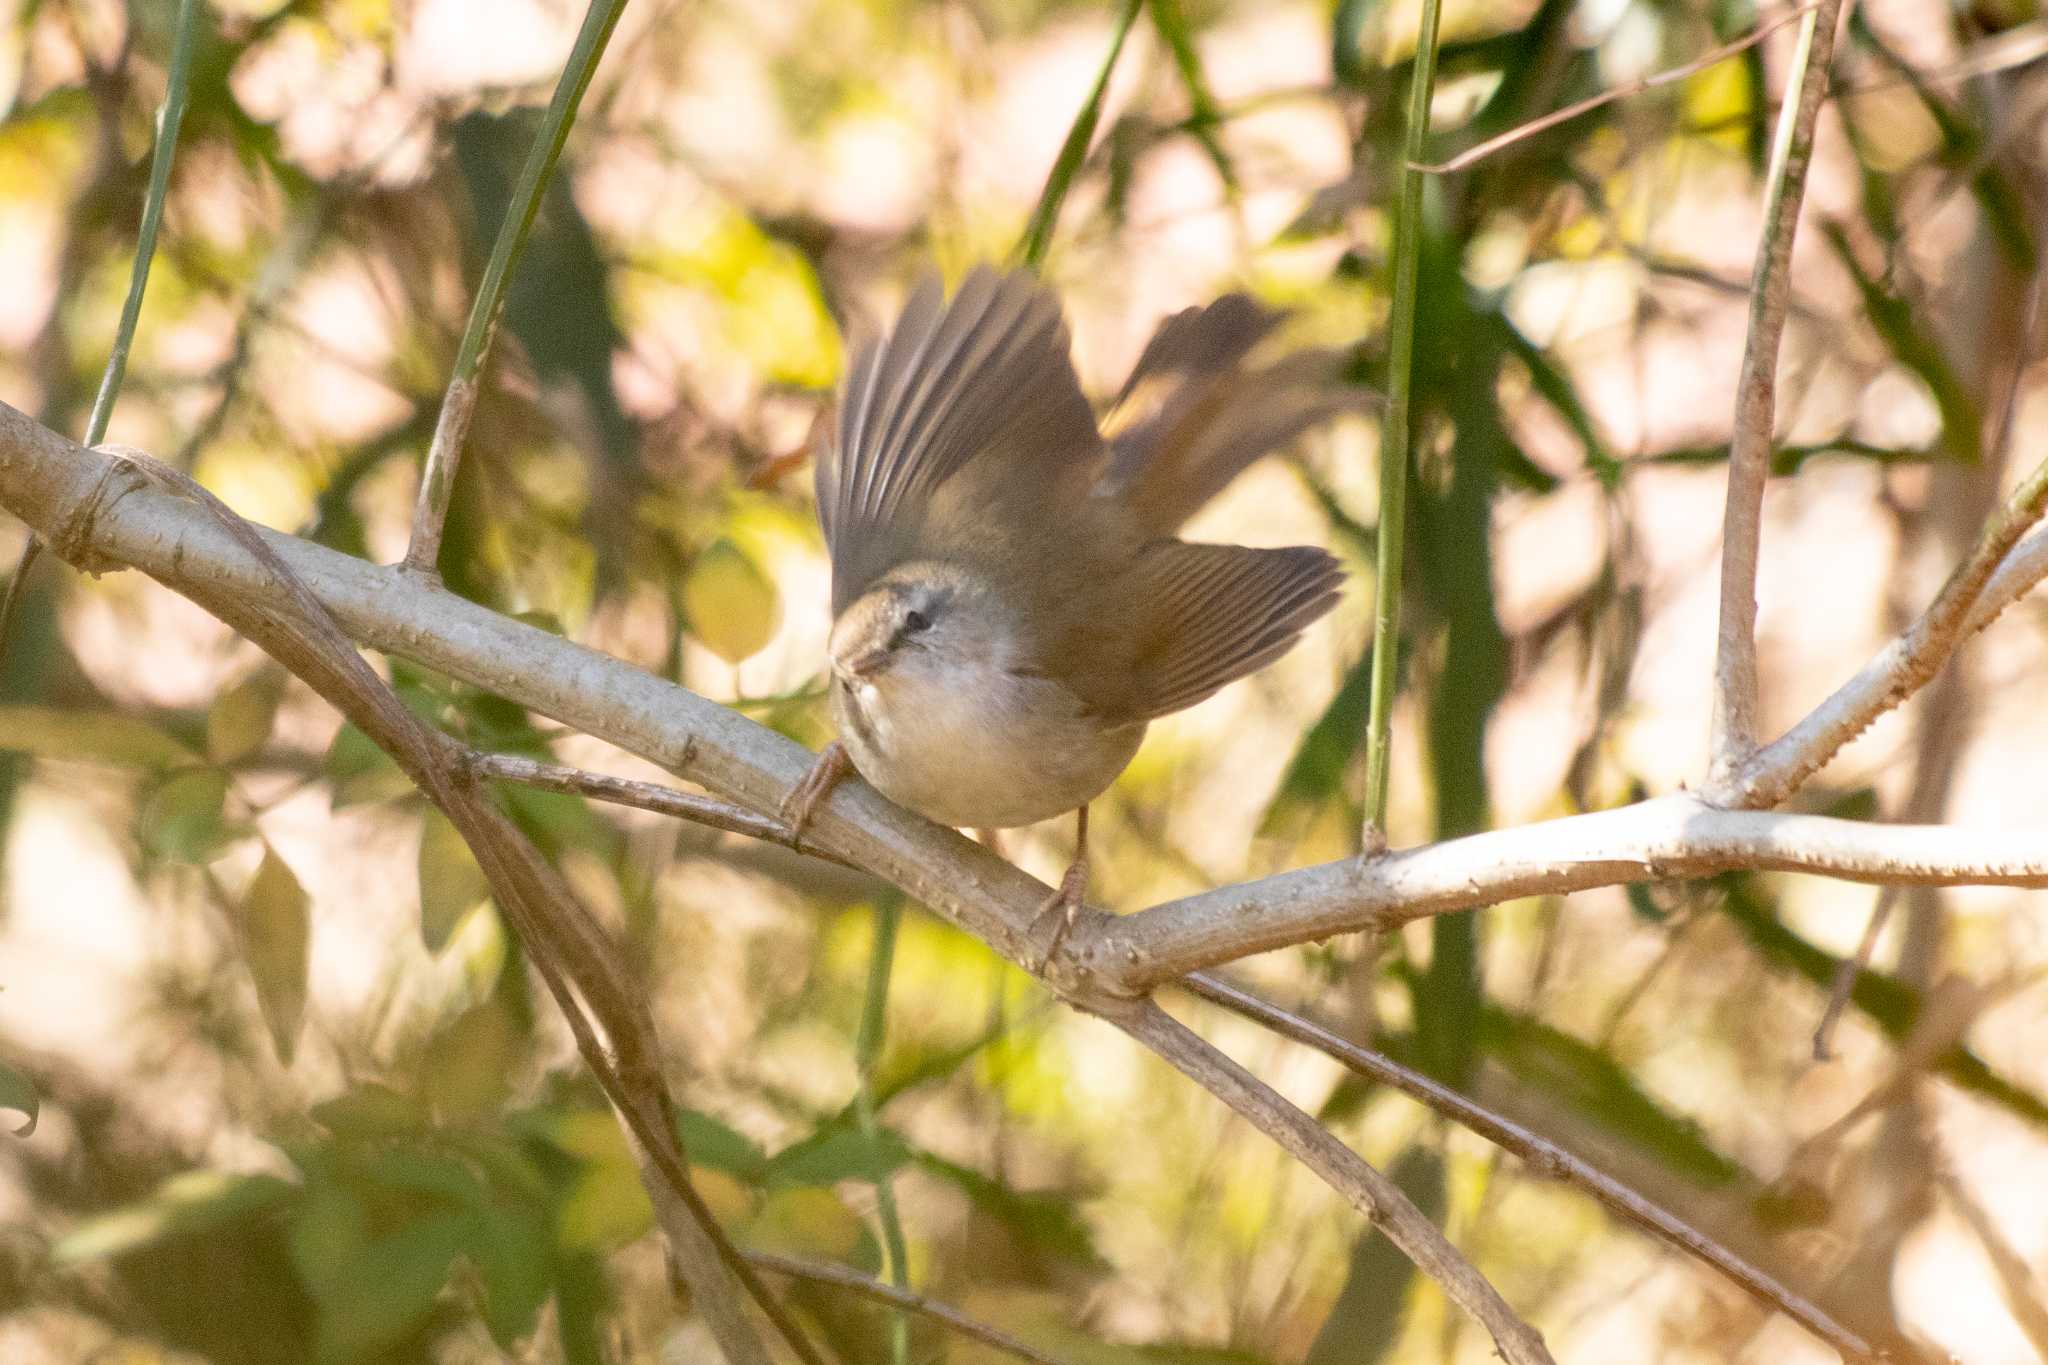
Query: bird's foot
x=829, y=771
x=1063, y=907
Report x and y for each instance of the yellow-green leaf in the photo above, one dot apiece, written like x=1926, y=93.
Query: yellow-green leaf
x=89, y=736
x=468, y=1067
x=362, y=772
x=18, y=1092
x=242, y=716
x=450, y=880
x=276, y=928
x=732, y=606
x=191, y=1202
x=185, y=818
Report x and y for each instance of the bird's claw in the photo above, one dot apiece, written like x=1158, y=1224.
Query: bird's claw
x=1065, y=903
x=802, y=802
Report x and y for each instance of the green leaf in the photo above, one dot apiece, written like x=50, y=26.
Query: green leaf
x=382, y=1293
x=713, y=1144
x=606, y=1207
x=732, y=606
x=276, y=928
x=1584, y=1078
x=241, y=717
x=18, y=1093
x=369, y=1110
x=838, y=1153
x=1315, y=775
x=194, y=1201
x=512, y=1250
x=185, y=818
x=467, y=1067
x=450, y=880
x=327, y=1233
x=90, y=736
x=1048, y=1223
x=428, y=1176
x=1918, y=350
x=360, y=771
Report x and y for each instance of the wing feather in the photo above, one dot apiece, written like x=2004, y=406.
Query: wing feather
x=987, y=375
x=1218, y=612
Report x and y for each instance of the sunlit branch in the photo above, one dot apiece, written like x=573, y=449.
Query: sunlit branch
x=78, y=500
x=1756, y=395
x=95, y=512
x=1665, y=838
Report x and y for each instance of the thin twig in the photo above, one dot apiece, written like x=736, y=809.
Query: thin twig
x=1626, y=90
x=648, y=796
x=2005, y=562
x=1848, y=969
x=1391, y=543
x=451, y=429
x=846, y=1277
x=169, y=119
x=867, y=1053
x=1543, y=1157
x=1031, y=247
x=1756, y=396
x=1366, y=1189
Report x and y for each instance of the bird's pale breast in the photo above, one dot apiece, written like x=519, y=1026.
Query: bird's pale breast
x=990, y=750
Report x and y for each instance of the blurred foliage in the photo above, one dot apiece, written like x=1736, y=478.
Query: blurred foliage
x=346, y=1133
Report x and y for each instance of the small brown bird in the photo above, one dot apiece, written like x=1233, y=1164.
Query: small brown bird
x=1011, y=608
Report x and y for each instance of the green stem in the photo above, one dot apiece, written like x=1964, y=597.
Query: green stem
x=1396, y=438
x=867, y=1051
x=437, y=483
x=168, y=120
x=1038, y=233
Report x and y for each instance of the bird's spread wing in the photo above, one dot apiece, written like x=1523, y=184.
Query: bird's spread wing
x=987, y=375
x=1194, y=413
x=1214, y=613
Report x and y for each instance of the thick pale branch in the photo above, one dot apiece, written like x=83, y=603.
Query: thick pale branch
x=82, y=502
x=53, y=484
x=1668, y=837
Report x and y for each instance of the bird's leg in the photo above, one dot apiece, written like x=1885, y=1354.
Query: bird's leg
x=828, y=772
x=1066, y=901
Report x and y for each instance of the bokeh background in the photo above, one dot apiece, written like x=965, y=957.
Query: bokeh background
x=400, y=1160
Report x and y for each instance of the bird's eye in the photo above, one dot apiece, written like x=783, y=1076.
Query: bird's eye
x=915, y=622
